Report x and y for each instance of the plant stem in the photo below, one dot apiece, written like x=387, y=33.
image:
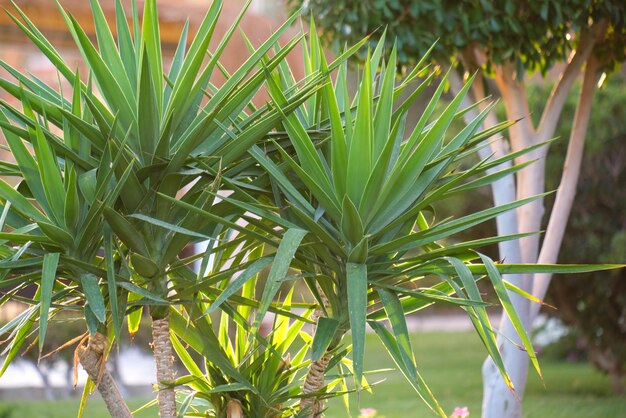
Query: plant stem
x=314, y=382
x=92, y=358
x=164, y=360
x=233, y=409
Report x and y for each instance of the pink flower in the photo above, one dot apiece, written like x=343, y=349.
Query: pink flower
x=367, y=413
x=460, y=412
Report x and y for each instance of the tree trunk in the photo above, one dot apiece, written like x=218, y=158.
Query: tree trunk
x=92, y=358
x=498, y=400
x=48, y=390
x=498, y=397
x=233, y=409
x=114, y=363
x=313, y=406
x=164, y=360
x=617, y=381
x=569, y=179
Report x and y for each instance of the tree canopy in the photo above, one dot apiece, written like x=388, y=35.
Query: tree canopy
x=534, y=33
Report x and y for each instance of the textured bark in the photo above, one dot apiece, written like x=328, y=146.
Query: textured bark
x=164, y=360
x=314, y=382
x=92, y=358
x=233, y=409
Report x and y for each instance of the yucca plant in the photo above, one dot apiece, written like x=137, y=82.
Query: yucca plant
x=55, y=231
x=240, y=372
x=355, y=200
x=128, y=137
x=126, y=172
x=243, y=371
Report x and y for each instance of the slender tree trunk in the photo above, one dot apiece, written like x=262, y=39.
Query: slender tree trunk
x=617, y=382
x=312, y=407
x=498, y=400
x=48, y=390
x=497, y=396
x=314, y=382
x=569, y=179
x=503, y=190
x=233, y=409
x=92, y=358
x=114, y=363
x=164, y=360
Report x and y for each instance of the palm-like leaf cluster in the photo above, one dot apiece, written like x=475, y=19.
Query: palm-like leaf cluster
x=356, y=196
x=90, y=223
x=118, y=177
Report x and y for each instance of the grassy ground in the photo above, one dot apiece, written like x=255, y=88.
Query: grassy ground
x=451, y=365
x=66, y=408
x=450, y=362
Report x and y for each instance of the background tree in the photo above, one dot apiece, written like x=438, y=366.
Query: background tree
x=594, y=304
x=506, y=40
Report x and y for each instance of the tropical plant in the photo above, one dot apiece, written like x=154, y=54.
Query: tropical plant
x=87, y=223
x=354, y=203
x=128, y=170
x=240, y=373
x=506, y=41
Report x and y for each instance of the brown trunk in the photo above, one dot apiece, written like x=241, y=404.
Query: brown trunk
x=314, y=382
x=92, y=358
x=233, y=409
x=164, y=360
x=606, y=360
x=617, y=381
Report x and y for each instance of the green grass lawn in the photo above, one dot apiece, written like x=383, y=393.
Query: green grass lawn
x=450, y=362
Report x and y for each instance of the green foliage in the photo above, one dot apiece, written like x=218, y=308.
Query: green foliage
x=128, y=135
x=534, y=34
x=323, y=187
x=89, y=224
x=363, y=192
x=260, y=371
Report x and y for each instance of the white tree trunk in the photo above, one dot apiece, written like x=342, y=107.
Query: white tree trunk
x=498, y=397
x=569, y=179
x=498, y=400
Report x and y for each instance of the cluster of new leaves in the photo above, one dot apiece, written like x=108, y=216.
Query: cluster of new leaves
x=533, y=33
